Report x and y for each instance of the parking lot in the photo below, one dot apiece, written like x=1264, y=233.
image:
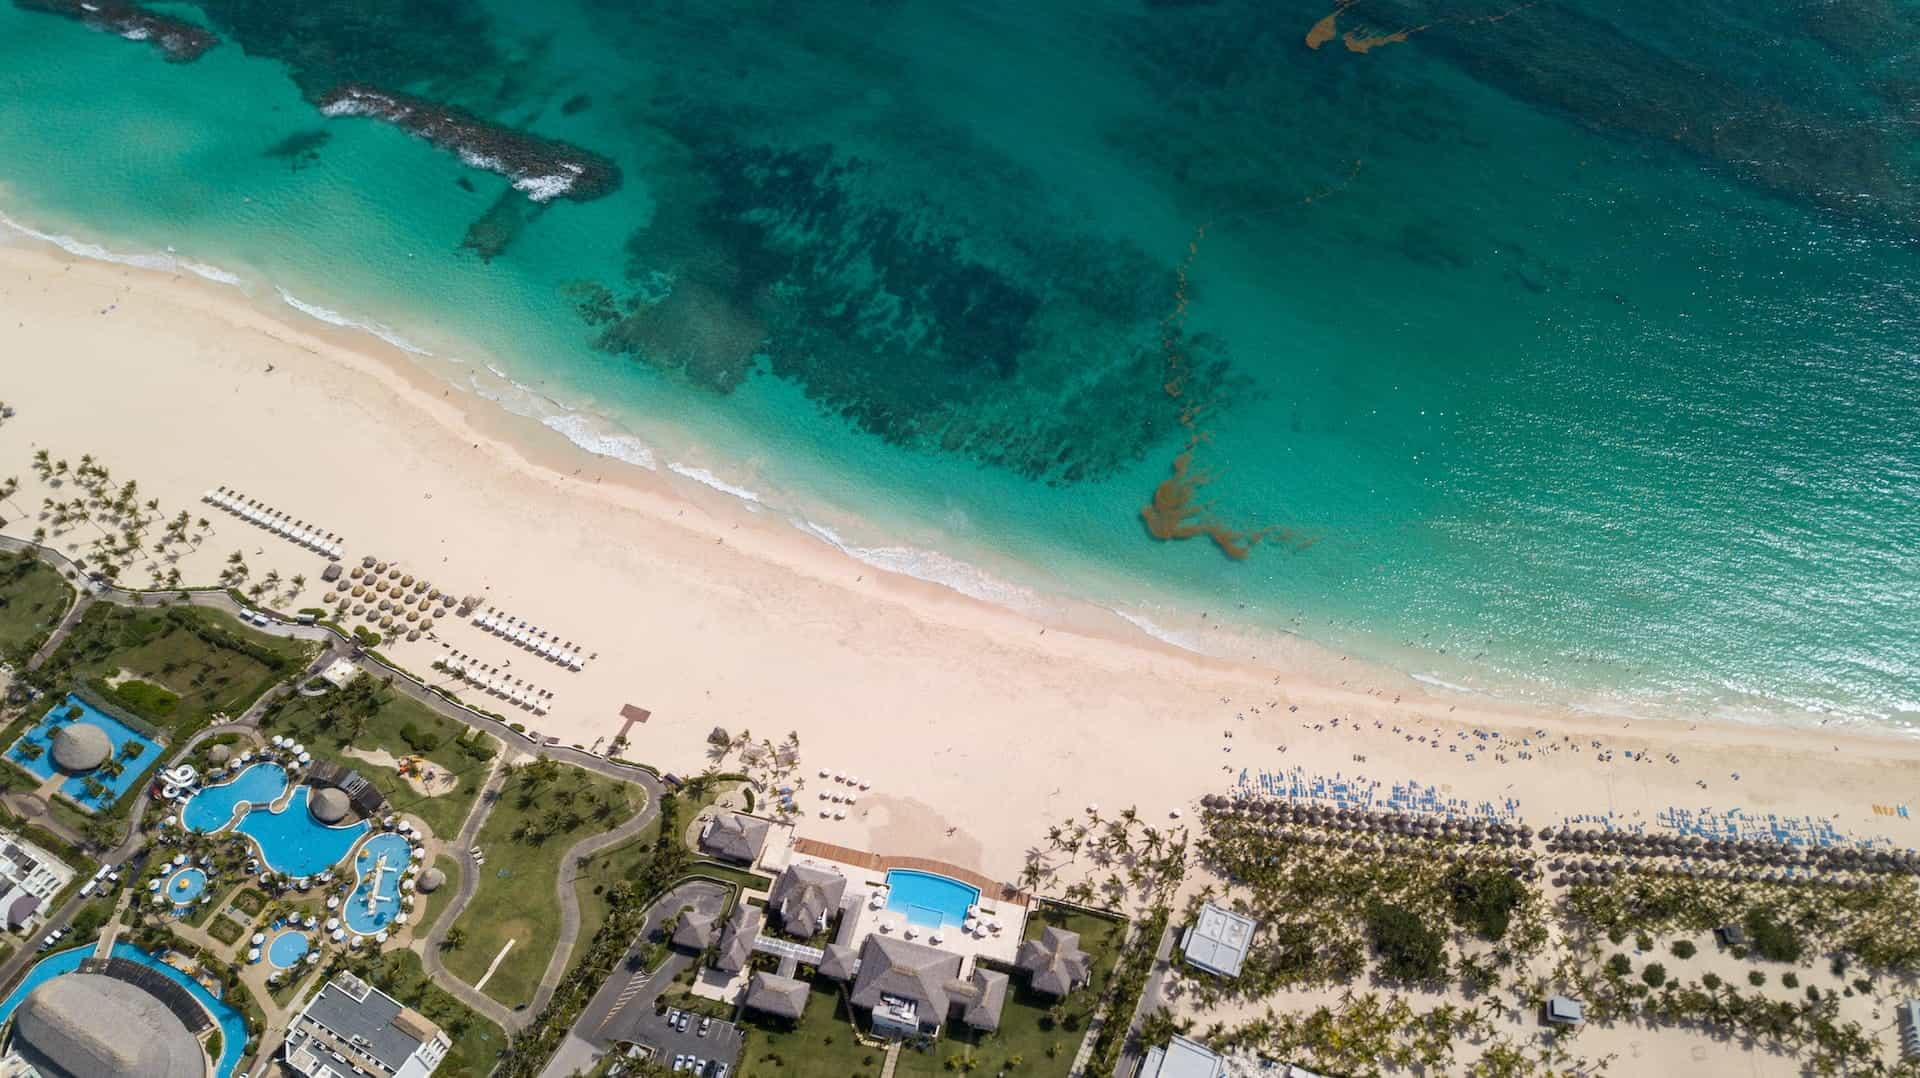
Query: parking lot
x=721, y=1045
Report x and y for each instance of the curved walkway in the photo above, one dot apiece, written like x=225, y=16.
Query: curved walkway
x=338, y=644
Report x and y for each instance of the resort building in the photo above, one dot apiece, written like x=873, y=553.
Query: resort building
x=804, y=897
x=29, y=878
x=350, y=1028
x=1910, y=1029
x=696, y=931
x=782, y=997
x=362, y=797
x=911, y=989
x=1218, y=940
x=1182, y=1058
x=1055, y=965
x=1562, y=1011
x=730, y=836
x=738, y=937
x=85, y=1024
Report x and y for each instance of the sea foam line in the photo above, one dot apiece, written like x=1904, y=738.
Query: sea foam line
x=579, y=429
x=335, y=318
x=707, y=478
x=930, y=566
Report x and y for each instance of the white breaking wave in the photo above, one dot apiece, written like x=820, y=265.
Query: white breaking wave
x=94, y=251
x=930, y=566
x=707, y=478
x=335, y=318
x=1165, y=636
x=211, y=273
x=581, y=431
x=1429, y=679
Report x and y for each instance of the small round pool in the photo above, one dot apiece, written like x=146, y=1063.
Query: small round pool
x=186, y=886
x=287, y=949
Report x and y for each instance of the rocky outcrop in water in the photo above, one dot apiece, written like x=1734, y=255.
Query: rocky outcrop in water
x=541, y=168
x=181, y=41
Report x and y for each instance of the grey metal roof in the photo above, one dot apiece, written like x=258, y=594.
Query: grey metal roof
x=1055, y=964
x=911, y=971
x=736, y=837
x=1182, y=1058
x=804, y=895
x=1218, y=940
x=82, y=1025
x=356, y=1012
x=736, y=939
x=770, y=993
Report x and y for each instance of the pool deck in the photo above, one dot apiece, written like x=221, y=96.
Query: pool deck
x=866, y=876
x=990, y=889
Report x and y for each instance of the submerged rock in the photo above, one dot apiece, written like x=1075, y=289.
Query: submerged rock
x=181, y=41
x=543, y=169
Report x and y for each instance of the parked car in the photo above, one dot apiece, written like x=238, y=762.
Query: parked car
x=706, y=1024
x=681, y=1025
x=679, y=1063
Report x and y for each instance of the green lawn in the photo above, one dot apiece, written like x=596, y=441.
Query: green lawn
x=820, y=1045
x=370, y=717
x=209, y=661
x=431, y=905
x=544, y=809
x=476, y=1041
x=33, y=598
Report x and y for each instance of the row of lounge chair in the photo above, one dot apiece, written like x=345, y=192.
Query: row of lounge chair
x=298, y=531
x=534, y=700
x=541, y=643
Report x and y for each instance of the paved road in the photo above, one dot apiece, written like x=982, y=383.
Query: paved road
x=623, y=1009
x=335, y=645
x=1149, y=1000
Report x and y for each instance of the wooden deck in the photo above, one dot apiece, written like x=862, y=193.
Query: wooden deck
x=989, y=888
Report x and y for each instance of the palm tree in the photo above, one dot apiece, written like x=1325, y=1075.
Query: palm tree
x=456, y=937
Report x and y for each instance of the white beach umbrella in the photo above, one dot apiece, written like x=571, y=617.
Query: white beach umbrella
x=381, y=936
x=333, y=923
x=339, y=934
x=400, y=918
x=153, y=885
x=259, y=938
x=313, y=957
x=253, y=954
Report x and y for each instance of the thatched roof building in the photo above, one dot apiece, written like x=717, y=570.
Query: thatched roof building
x=80, y=746
x=85, y=1024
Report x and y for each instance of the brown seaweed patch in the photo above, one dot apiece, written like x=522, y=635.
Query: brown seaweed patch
x=181, y=41
x=1175, y=514
x=1363, y=41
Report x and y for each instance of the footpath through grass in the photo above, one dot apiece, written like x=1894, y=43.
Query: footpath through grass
x=33, y=598
x=369, y=717
x=544, y=809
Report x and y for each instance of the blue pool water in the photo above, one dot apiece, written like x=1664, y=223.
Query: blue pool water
x=291, y=841
x=287, y=949
x=233, y=1026
x=75, y=787
x=185, y=886
x=212, y=808
x=928, y=900
x=384, y=887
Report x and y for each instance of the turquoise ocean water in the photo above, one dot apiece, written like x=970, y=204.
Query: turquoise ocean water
x=1568, y=350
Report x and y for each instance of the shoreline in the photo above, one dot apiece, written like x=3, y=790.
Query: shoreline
x=709, y=612
x=592, y=437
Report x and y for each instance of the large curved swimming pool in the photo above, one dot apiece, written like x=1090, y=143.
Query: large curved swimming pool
x=212, y=808
x=928, y=900
x=292, y=842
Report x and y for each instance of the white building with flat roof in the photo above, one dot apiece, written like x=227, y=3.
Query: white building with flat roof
x=29, y=878
x=1218, y=940
x=350, y=1029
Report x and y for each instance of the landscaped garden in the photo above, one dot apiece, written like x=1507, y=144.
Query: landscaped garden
x=175, y=667
x=544, y=809
x=371, y=728
x=33, y=598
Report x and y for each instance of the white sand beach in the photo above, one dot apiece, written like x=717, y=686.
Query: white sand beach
x=975, y=725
